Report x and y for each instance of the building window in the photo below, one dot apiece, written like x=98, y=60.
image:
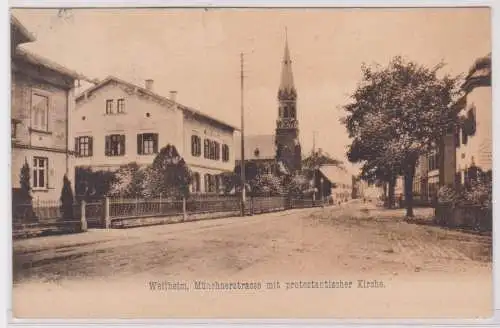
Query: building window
x=432, y=161
x=83, y=146
x=115, y=145
x=109, y=106
x=39, y=112
x=212, y=183
x=433, y=187
x=211, y=149
x=147, y=143
x=195, y=146
x=207, y=182
x=216, y=155
x=40, y=168
x=13, y=128
x=120, y=106
x=292, y=111
x=206, y=148
x=225, y=153
x=195, y=184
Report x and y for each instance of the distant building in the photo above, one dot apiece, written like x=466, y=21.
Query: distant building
x=335, y=182
x=117, y=122
x=42, y=102
x=281, y=150
x=259, y=150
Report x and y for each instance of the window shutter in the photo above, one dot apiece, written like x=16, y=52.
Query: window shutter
x=139, y=144
x=155, y=143
x=122, y=141
x=77, y=151
x=91, y=145
x=107, y=148
x=193, y=145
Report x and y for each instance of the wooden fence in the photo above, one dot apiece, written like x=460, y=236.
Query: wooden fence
x=120, y=213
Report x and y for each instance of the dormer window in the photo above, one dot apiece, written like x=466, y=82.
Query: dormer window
x=256, y=152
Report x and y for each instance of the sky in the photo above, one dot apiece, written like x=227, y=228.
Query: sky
x=196, y=52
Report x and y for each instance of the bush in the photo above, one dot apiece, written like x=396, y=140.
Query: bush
x=93, y=185
x=267, y=184
x=298, y=185
x=169, y=175
x=128, y=182
x=447, y=194
x=479, y=193
x=476, y=193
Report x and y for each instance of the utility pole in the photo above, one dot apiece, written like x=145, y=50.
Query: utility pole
x=242, y=165
x=314, y=142
x=313, y=156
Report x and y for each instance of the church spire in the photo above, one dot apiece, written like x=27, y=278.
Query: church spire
x=286, y=84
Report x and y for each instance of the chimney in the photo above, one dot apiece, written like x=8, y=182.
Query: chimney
x=173, y=95
x=149, y=84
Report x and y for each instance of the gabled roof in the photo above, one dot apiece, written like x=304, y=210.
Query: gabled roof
x=335, y=174
x=159, y=97
x=24, y=35
x=38, y=60
x=256, y=147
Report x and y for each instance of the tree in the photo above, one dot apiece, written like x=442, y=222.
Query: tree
x=267, y=184
x=92, y=185
x=129, y=181
x=22, y=201
x=297, y=185
x=168, y=176
x=67, y=200
x=397, y=114
x=318, y=158
x=25, y=183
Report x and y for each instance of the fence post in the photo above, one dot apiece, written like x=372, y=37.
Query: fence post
x=160, y=207
x=184, y=212
x=83, y=218
x=107, y=219
x=136, y=206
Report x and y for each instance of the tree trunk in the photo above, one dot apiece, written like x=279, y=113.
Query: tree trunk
x=386, y=198
x=392, y=186
x=408, y=185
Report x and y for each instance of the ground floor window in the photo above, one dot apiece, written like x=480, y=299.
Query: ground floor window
x=212, y=183
x=40, y=169
x=195, y=184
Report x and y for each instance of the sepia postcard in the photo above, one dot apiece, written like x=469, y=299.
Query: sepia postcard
x=258, y=163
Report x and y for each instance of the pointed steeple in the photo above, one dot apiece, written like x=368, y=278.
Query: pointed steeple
x=286, y=84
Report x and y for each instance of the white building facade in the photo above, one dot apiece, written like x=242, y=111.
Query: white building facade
x=474, y=139
x=116, y=123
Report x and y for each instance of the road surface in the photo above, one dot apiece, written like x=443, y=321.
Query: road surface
x=308, y=263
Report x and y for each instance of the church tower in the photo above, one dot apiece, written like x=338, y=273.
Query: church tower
x=288, y=148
